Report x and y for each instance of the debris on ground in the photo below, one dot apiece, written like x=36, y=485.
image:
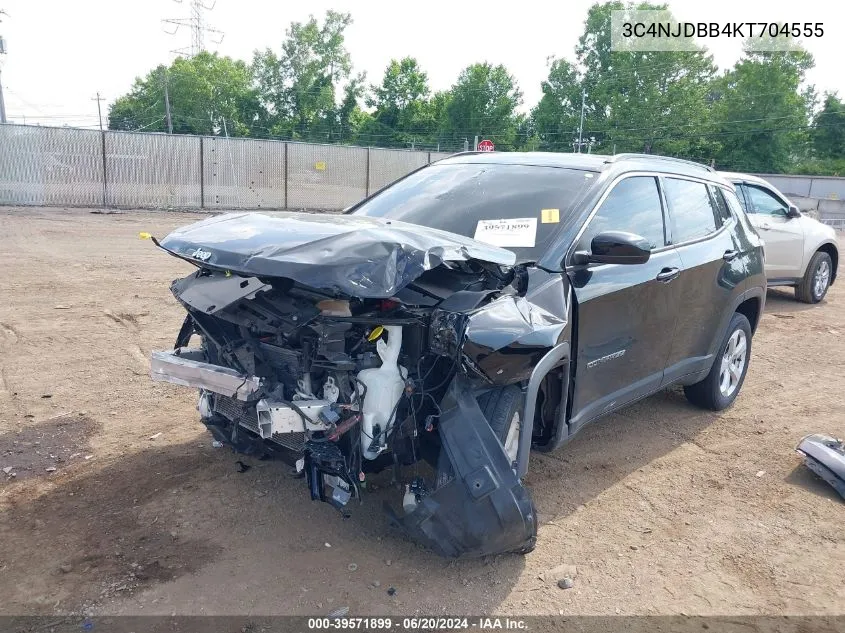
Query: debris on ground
x=566, y=583
x=216, y=444
x=555, y=574
x=50, y=469
x=825, y=456
x=352, y=567
x=156, y=435
x=391, y=591
x=242, y=468
x=7, y=470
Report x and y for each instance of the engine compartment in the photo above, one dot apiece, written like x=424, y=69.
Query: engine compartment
x=349, y=386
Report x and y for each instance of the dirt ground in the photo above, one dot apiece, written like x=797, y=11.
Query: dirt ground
x=120, y=504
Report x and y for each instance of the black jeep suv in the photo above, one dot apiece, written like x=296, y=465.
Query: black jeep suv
x=478, y=307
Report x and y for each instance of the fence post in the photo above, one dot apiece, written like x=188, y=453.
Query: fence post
x=286, y=175
x=429, y=158
x=202, y=174
x=367, y=184
x=103, y=150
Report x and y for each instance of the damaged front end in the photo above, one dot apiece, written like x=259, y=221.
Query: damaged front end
x=347, y=345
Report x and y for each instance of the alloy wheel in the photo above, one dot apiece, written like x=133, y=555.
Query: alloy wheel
x=821, y=279
x=733, y=363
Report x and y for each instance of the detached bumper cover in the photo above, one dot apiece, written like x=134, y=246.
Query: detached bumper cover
x=825, y=456
x=484, y=509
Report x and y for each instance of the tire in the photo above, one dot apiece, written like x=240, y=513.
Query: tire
x=813, y=286
x=722, y=385
x=503, y=407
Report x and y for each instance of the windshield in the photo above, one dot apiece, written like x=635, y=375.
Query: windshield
x=518, y=207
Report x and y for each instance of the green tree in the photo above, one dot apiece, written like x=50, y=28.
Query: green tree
x=204, y=91
x=298, y=88
x=555, y=118
x=643, y=101
x=829, y=129
x=483, y=102
x=402, y=111
x=763, y=112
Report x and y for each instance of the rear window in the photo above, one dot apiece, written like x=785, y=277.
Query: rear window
x=693, y=210
x=517, y=207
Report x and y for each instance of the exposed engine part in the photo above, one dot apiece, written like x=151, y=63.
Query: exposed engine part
x=331, y=392
x=327, y=473
x=205, y=404
x=281, y=417
x=384, y=386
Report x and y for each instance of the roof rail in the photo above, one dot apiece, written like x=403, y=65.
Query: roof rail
x=632, y=156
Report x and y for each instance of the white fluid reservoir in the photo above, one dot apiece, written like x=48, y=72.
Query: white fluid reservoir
x=384, y=388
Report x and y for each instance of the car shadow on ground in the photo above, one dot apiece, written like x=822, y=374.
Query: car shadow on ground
x=102, y=532
x=782, y=301
x=611, y=448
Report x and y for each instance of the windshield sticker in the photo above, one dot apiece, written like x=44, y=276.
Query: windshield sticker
x=550, y=216
x=517, y=232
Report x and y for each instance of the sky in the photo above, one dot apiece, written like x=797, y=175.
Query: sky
x=61, y=54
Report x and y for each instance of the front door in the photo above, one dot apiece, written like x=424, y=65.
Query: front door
x=783, y=236
x=625, y=313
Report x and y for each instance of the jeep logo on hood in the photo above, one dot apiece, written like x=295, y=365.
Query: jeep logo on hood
x=201, y=255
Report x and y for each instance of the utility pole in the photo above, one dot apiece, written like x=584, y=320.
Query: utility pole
x=2, y=103
x=167, y=105
x=98, y=98
x=2, y=52
x=581, y=126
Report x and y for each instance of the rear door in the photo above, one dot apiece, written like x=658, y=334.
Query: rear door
x=625, y=313
x=713, y=272
x=783, y=236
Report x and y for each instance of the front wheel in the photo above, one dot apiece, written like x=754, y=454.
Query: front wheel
x=813, y=286
x=721, y=386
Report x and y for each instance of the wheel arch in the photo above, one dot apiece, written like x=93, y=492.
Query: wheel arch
x=831, y=249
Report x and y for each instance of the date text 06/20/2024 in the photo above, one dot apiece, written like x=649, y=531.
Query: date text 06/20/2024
x=412, y=624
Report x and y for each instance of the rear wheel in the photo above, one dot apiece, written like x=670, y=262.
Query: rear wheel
x=721, y=386
x=813, y=286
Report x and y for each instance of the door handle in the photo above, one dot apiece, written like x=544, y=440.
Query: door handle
x=766, y=226
x=668, y=274
x=729, y=255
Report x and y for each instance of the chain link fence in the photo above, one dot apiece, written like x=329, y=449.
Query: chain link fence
x=45, y=166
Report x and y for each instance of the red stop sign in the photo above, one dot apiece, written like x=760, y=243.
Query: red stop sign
x=485, y=146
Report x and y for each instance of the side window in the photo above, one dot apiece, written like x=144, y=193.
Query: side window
x=765, y=202
x=693, y=210
x=633, y=206
x=723, y=214
x=740, y=195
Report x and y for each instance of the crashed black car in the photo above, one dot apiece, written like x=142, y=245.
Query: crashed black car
x=479, y=307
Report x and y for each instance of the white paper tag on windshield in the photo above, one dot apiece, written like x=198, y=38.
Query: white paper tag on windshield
x=518, y=232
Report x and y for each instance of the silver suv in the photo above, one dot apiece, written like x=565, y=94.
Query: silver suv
x=800, y=251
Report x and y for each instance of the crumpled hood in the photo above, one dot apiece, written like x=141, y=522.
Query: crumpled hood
x=356, y=255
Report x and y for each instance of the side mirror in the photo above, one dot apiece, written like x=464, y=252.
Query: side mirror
x=793, y=212
x=615, y=247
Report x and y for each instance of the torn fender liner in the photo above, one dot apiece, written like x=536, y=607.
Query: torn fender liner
x=484, y=509
x=825, y=456
x=360, y=256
